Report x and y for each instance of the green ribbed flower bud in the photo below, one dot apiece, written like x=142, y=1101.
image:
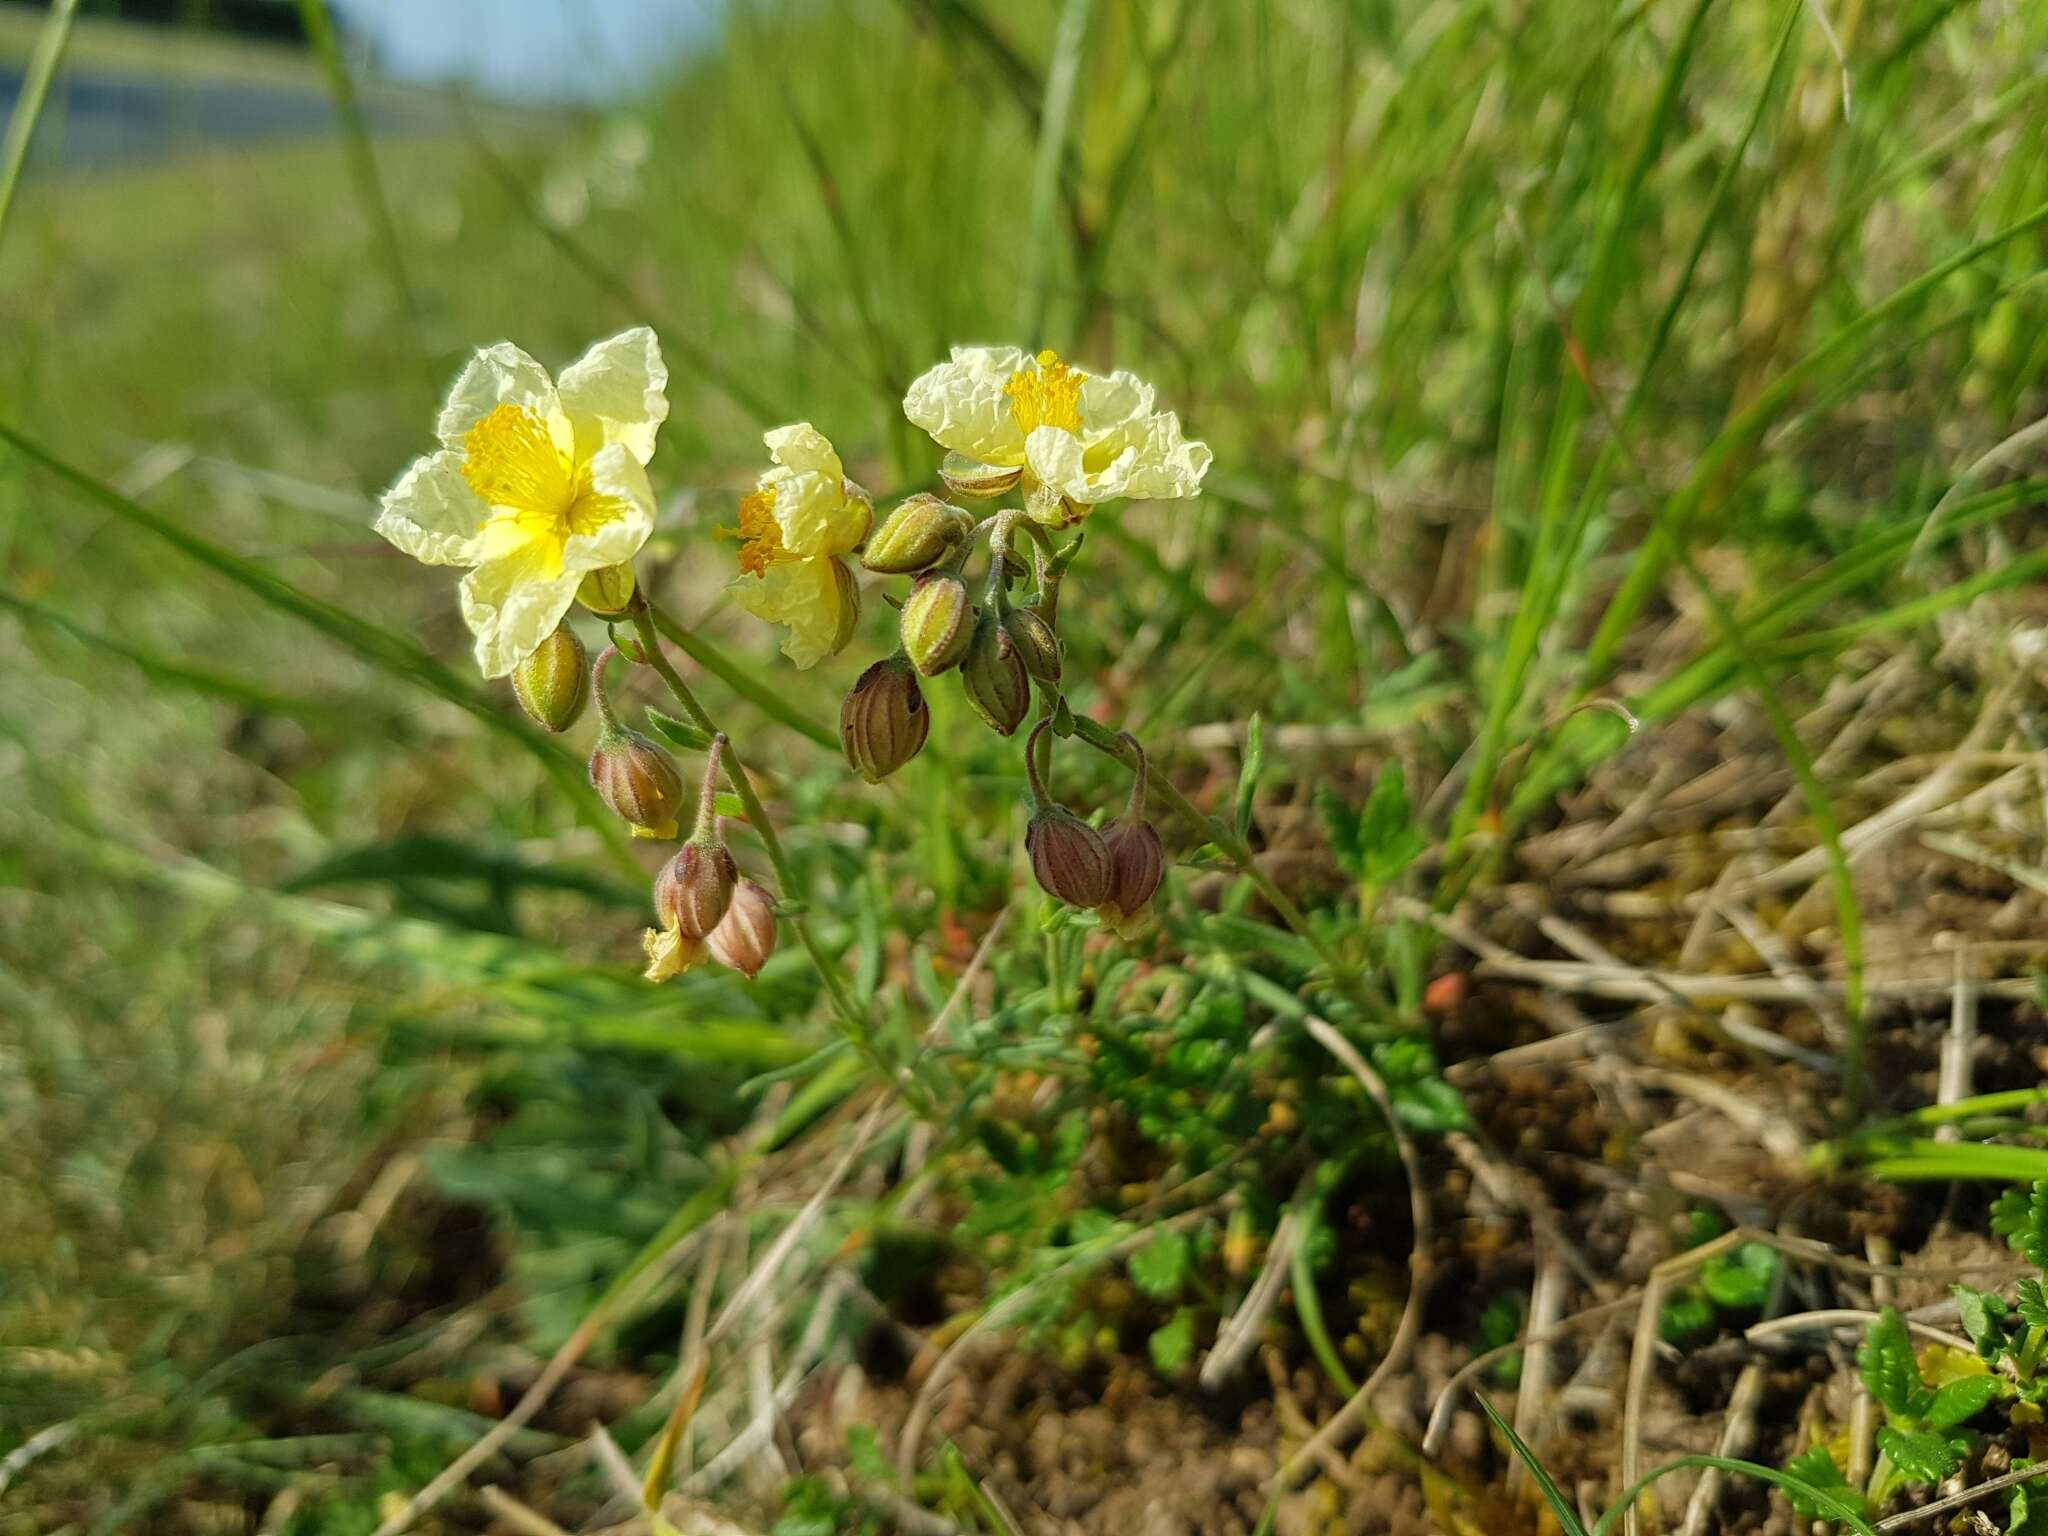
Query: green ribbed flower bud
x=553, y=681
x=993, y=675
x=1035, y=642
x=937, y=622
x=916, y=535
x=607, y=592
x=883, y=721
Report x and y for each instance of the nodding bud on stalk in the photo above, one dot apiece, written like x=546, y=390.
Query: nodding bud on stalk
x=917, y=534
x=554, y=679
x=607, y=592
x=694, y=889
x=1035, y=642
x=937, y=622
x=1068, y=857
x=632, y=775
x=1137, y=858
x=883, y=722
x=993, y=675
x=745, y=936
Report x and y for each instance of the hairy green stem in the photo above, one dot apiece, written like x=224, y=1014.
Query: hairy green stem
x=853, y=1022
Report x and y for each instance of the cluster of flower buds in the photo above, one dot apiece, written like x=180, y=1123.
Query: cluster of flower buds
x=996, y=648
x=1116, y=871
x=706, y=908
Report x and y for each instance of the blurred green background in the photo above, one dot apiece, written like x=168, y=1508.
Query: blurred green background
x=324, y=1074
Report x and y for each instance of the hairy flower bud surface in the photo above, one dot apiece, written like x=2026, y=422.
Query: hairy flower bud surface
x=916, y=535
x=638, y=780
x=994, y=677
x=883, y=721
x=1137, y=864
x=694, y=889
x=1035, y=642
x=937, y=622
x=553, y=681
x=745, y=936
x=1068, y=857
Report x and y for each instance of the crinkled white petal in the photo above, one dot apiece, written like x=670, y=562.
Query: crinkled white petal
x=1108, y=402
x=497, y=375
x=971, y=477
x=816, y=514
x=432, y=514
x=1165, y=464
x=512, y=604
x=617, y=392
x=1147, y=460
x=809, y=596
x=803, y=448
x=619, y=482
x=962, y=405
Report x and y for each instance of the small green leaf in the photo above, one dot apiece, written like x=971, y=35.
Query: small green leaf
x=1815, y=1467
x=1248, y=775
x=1925, y=1456
x=1891, y=1374
x=1961, y=1400
x=1743, y=1282
x=1983, y=1319
x=1340, y=825
x=2026, y=1515
x=1389, y=838
x=1160, y=1268
x=1687, y=1316
x=2033, y=1304
x=679, y=732
x=2021, y=1218
x=1174, y=1345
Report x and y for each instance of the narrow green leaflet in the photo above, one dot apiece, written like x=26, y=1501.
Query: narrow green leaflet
x=1961, y=1400
x=1926, y=1456
x=1389, y=837
x=1160, y=1268
x=1248, y=776
x=1816, y=1468
x=1890, y=1372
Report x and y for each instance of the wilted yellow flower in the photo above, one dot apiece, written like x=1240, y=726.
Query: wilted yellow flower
x=670, y=954
x=801, y=516
x=536, y=485
x=1072, y=440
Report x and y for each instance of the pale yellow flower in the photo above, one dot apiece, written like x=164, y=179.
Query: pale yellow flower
x=800, y=518
x=1071, y=440
x=537, y=484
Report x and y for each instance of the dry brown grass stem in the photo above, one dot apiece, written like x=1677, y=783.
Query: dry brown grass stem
x=1419, y=1262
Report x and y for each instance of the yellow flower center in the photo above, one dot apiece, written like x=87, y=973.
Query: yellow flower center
x=1046, y=393
x=759, y=534
x=536, y=493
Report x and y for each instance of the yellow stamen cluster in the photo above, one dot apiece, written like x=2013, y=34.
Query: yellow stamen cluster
x=759, y=534
x=510, y=461
x=1048, y=395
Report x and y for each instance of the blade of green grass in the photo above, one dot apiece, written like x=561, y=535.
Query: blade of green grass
x=1567, y=1517
x=1747, y=428
x=1042, y=223
x=1822, y=1498
x=362, y=168
x=389, y=653
x=28, y=107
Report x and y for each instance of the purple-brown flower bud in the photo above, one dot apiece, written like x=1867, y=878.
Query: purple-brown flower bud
x=745, y=936
x=1035, y=642
x=993, y=675
x=637, y=779
x=694, y=889
x=553, y=681
x=1068, y=857
x=937, y=622
x=1137, y=857
x=883, y=721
